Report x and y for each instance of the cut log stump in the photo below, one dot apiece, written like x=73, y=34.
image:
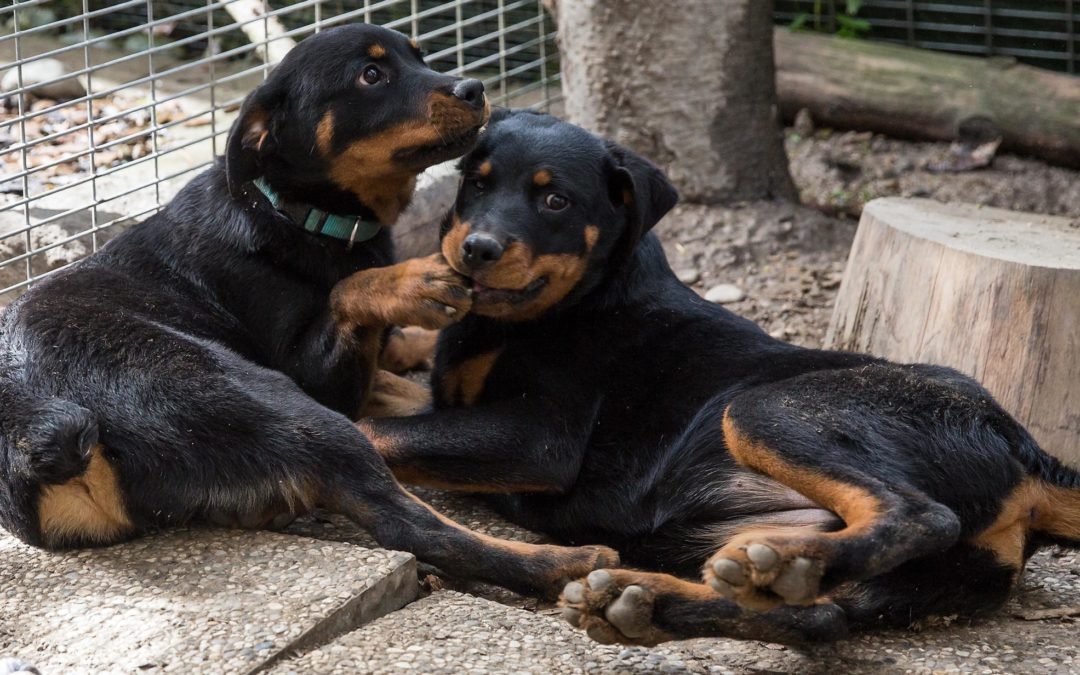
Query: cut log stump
x=992, y=293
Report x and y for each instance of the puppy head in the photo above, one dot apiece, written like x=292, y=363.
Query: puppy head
x=348, y=119
x=546, y=211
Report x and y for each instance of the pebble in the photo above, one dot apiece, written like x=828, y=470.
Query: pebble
x=45, y=78
x=688, y=275
x=723, y=294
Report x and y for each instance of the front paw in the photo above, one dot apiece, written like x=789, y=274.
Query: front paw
x=433, y=295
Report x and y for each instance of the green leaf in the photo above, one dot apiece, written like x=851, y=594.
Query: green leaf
x=853, y=6
x=799, y=22
x=852, y=27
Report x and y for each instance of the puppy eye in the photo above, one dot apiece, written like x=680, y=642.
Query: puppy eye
x=478, y=184
x=371, y=75
x=556, y=202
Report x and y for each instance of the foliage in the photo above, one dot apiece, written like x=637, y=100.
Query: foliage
x=847, y=23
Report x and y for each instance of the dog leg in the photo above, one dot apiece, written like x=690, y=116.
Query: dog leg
x=643, y=608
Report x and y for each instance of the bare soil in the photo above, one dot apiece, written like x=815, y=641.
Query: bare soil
x=789, y=260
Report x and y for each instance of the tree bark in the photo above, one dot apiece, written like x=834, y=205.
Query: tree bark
x=992, y=293
x=925, y=95
x=688, y=83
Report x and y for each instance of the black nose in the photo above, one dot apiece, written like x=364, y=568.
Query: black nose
x=471, y=91
x=480, y=250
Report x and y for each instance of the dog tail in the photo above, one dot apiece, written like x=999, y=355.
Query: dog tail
x=43, y=441
x=49, y=440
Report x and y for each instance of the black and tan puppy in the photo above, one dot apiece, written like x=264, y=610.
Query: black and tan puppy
x=207, y=363
x=601, y=401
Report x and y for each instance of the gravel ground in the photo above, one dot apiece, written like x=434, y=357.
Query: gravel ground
x=786, y=262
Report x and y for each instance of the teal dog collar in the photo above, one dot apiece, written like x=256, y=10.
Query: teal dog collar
x=347, y=228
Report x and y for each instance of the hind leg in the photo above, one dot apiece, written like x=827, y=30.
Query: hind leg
x=886, y=522
x=237, y=439
x=643, y=608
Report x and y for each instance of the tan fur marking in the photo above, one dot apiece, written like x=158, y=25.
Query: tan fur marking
x=394, y=396
x=451, y=243
x=516, y=269
x=592, y=235
x=376, y=51
x=88, y=509
x=1032, y=505
x=557, y=564
x=463, y=383
x=858, y=508
x=542, y=177
x=409, y=349
x=368, y=167
x=484, y=170
x=415, y=44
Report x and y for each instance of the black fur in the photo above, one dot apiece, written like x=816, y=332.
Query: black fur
x=198, y=353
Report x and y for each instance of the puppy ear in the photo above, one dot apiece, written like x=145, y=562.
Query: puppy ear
x=643, y=189
x=250, y=137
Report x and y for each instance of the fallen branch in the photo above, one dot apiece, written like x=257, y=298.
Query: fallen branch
x=269, y=33
x=926, y=95
x=1052, y=613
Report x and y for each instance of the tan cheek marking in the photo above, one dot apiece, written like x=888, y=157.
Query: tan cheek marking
x=88, y=509
x=324, y=134
x=376, y=51
x=484, y=170
x=542, y=177
x=367, y=167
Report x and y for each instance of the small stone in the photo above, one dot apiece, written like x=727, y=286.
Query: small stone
x=44, y=78
x=723, y=294
x=688, y=275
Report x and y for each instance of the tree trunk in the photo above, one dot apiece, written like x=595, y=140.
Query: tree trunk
x=688, y=83
x=992, y=293
x=920, y=94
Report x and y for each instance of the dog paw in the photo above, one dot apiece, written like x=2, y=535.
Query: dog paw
x=760, y=575
x=10, y=666
x=611, y=608
x=394, y=396
x=436, y=295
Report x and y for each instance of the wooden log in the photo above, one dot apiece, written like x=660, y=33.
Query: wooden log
x=992, y=293
x=926, y=95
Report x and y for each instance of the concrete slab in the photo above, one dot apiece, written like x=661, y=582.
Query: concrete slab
x=221, y=601
x=450, y=632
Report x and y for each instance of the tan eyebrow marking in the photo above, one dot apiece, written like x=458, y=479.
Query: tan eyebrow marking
x=376, y=51
x=542, y=177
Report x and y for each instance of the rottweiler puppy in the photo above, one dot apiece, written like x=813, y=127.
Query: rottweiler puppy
x=207, y=364
x=595, y=398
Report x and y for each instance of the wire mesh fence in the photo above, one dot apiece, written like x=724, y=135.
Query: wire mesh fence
x=1040, y=32
x=110, y=106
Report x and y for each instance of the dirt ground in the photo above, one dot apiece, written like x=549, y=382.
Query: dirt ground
x=788, y=260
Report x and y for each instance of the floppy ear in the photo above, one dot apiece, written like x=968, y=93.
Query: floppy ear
x=250, y=137
x=645, y=191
